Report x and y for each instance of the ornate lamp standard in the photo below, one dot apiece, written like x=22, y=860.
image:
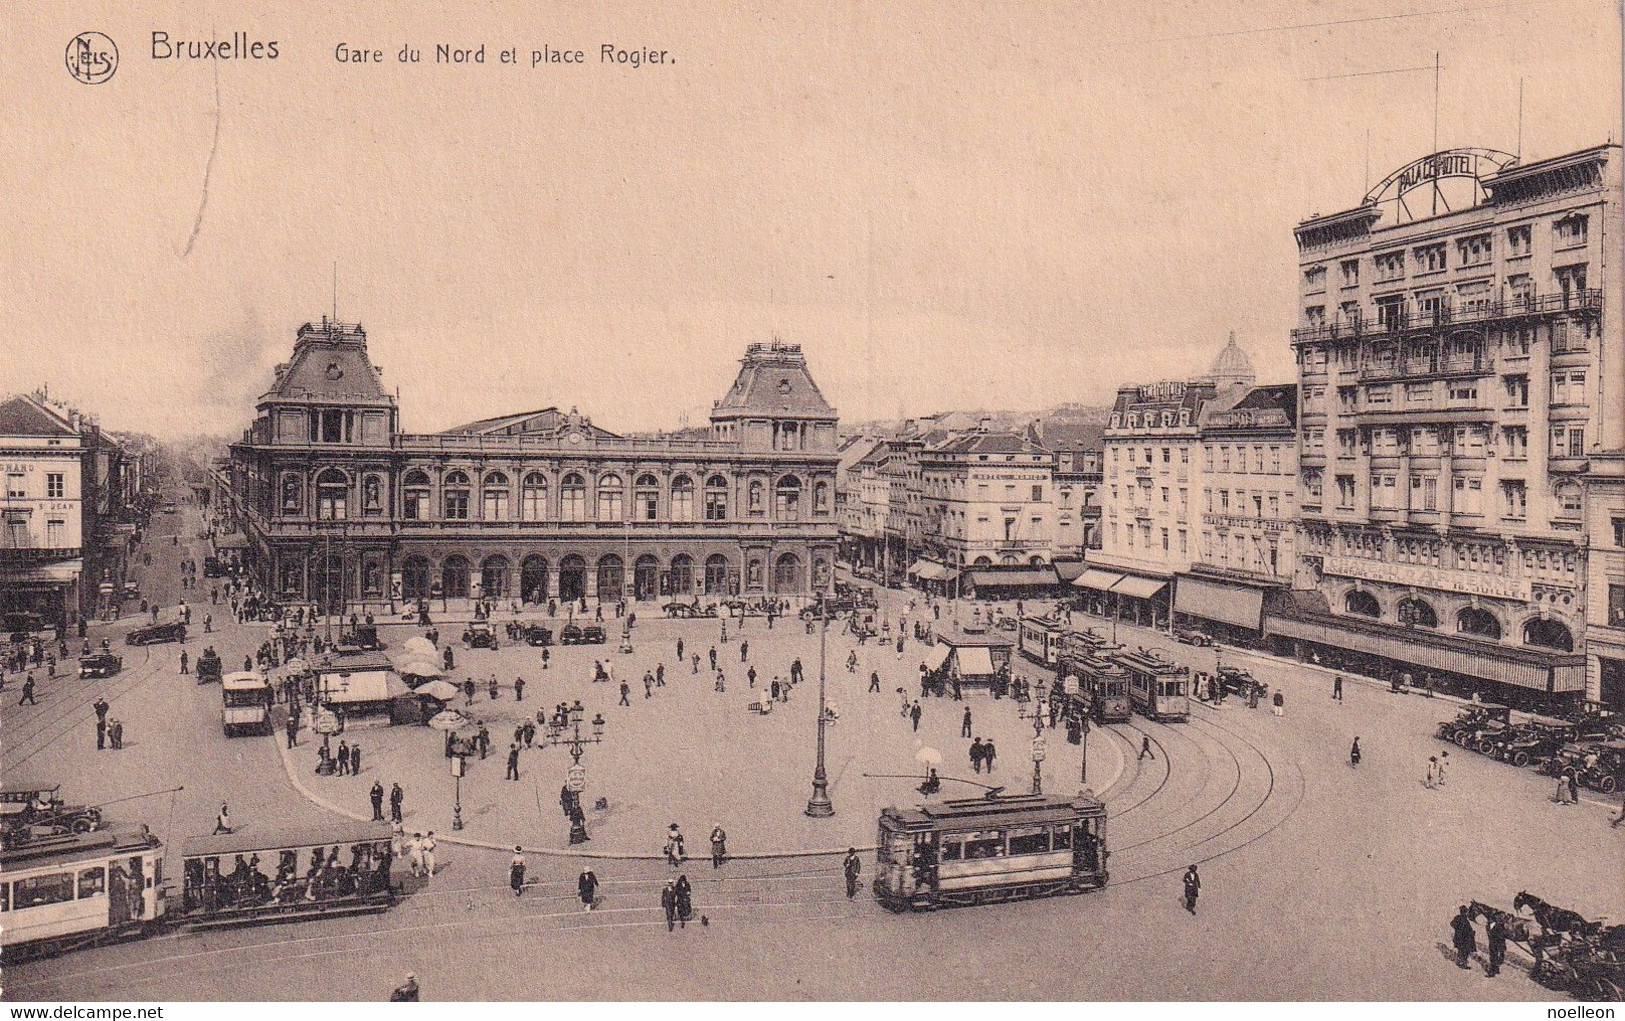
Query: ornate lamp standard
x=1039, y=748
x=819, y=805
x=459, y=765
x=576, y=777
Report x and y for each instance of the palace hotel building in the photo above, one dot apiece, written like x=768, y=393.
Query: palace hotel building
x=1460, y=403
x=342, y=508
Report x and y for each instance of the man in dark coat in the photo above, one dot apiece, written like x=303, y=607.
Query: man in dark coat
x=976, y=755
x=668, y=903
x=355, y=759
x=1464, y=939
x=988, y=753
x=964, y=725
x=513, y=762
x=377, y=796
x=851, y=865
x=1497, y=936
x=396, y=796
x=587, y=888
x=1193, y=887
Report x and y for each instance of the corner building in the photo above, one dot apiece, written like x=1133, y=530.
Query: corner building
x=1459, y=362
x=343, y=509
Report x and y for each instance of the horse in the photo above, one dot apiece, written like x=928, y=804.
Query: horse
x=1553, y=919
x=1517, y=928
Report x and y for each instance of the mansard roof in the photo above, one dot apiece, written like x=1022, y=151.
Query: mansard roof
x=773, y=381
x=329, y=365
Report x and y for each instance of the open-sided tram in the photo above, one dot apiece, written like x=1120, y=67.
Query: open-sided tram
x=982, y=850
x=234, y=878
x=1158, y=688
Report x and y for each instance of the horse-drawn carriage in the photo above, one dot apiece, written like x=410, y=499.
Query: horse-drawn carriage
x=1570, y=953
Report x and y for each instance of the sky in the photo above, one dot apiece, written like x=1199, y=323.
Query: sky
x=948, y=205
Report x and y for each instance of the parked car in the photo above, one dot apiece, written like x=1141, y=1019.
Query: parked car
x=479, y=635
x=1599, y=766
x=363, y=639
x=29, y=810
x=1236, y=681
x=153, y=634
x=1474, y=722
x=1192, y=637
x=101, y=664
x=593, y=634
x=1528, y=743
x=536, y=634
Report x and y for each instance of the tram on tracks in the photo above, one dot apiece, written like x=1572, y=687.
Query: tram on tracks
x=991, y=849
x=73, y=890
x=1039, y=638
x=1102, y=684
x=250, y=878
x=1158, y=688
x=76, y=890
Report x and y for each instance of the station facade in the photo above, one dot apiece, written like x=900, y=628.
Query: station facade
x=341, y=508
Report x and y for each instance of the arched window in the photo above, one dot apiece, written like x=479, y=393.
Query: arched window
x=1478, y=622
x=982, y=562
x=646, y=577
x=611, y=506
x=415, y=499
x=293, y=494
x=1569, y=499
x=572, y=500
x=787, y=499
x=716, y=500
x=494, y=506
x=533, y=579
x=572, y=577
x=682, y=572
x=646, y=499
x=787, y=577
x=454, y=577
x=820, y=497
x=1363, y=604
x=1417, y=613
x=454, y=499
x=494, y=576
x=415, y=578
x=1548, y=634
x=716, y=575
x=682, y=500
x=755, y=496
x=1008, y=559
x=611, y=577
x=332, y=495
x=533, y=497
x=1036, y=560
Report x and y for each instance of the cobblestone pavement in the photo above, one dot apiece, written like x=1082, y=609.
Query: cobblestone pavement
x=1320, y=880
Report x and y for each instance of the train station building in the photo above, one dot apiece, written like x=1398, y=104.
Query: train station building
x=341, y=508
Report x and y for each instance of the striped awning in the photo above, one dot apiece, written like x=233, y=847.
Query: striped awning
x=1095, y=578
x=1140, y=588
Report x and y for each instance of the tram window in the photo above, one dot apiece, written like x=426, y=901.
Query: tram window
x=1063, y=838
x=984, y=845
x=92, y=882
x=5, y=896
x=1029, y=840
x=37, y=891
x=952, y=849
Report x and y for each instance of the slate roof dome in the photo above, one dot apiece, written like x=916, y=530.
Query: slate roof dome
x=1232, y=366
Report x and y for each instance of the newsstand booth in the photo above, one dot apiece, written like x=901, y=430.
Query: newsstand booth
x=975, y=659
x=366, y=691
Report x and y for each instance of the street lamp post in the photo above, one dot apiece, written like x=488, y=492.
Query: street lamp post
x=819, y=805
x=459, y=765
x=576, y=777
x=1084, y=773
x=1039, y=748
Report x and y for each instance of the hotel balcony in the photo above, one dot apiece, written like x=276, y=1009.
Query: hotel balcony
x=1582, y=301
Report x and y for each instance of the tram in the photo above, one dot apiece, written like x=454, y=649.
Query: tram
x=246, y=700
x=984, y=850
x=238, y=878
x=1102, y=683
x=78, y=889
x=1158, y=688
x=1039, y=639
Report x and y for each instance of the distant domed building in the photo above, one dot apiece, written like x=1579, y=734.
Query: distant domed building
x=1231, y=367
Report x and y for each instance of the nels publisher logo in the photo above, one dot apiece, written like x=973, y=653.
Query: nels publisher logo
x=92, y=58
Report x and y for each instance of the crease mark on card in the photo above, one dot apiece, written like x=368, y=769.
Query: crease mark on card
x=208, y=168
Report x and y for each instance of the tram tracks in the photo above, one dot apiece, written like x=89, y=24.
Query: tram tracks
x=61, y=720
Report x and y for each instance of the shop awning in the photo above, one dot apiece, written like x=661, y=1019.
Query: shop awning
x=1032, y=577
x=1097, y=579
x=1227, y=602
x=1139, y=588
x=948, y=574
x=935, y=656
x=922, y=569
x=974, y=661
x=231, y=540
x=1524, y=667
x=1069, y=570
x=363, y=686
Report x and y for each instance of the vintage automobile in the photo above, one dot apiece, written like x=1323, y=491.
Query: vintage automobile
x=153, y=634
x=1236, y=681
x=1473, y=722
x=536, y=634
x=1532, y=742
x=363, y=638
x=1600, y=766
x=479, y=635
x=1593, y=722
x=22, y=626
x=831, y=607
x=209, y=668
x=213, y=567
x=1192, y=637
x=678, y=608
x=28, y=811
x=100, y=664
x=744, y=608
